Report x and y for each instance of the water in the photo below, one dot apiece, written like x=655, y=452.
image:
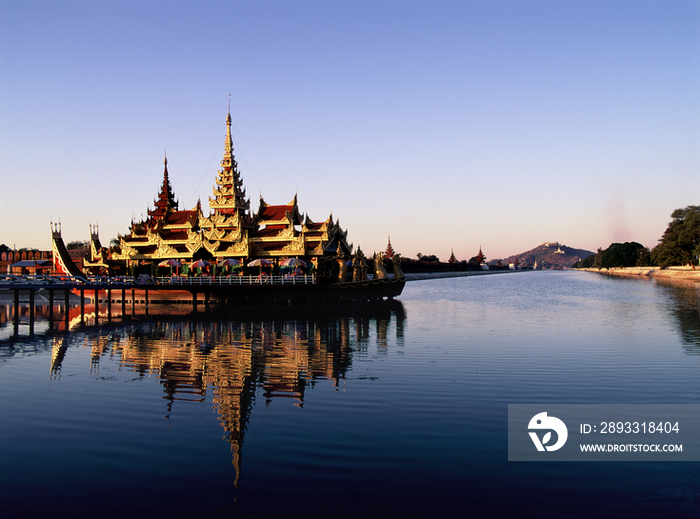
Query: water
x=400, y=412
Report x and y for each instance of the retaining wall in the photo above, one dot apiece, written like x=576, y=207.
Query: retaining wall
x=668, y=272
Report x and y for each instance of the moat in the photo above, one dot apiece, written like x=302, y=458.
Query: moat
x=396, y=411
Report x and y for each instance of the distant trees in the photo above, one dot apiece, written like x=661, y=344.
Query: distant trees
x=72, y=245
x=426, y=257
x=629, y=254
x=624, y=255
x=680, y=243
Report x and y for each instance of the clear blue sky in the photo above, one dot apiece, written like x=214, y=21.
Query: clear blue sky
x=447, y=125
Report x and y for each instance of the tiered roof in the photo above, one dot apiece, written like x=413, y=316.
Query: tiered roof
x=230, y=230
x=389, y=250
x=165, y=204
x=229, y=193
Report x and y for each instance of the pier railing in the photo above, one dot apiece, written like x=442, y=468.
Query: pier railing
x=12, y=281
x=235, y=280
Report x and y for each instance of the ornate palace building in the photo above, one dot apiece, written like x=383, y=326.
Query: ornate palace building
x=231, y=230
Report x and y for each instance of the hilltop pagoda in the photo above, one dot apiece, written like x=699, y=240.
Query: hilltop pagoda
x=230, y=230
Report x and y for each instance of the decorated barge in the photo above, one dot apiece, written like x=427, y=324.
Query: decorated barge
x=232, y=253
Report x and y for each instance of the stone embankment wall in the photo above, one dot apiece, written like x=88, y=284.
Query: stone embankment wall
x=668, y=272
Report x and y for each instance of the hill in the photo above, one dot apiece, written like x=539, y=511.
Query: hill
x=548, y=255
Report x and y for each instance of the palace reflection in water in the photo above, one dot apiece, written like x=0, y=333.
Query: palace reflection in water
x=237, y=360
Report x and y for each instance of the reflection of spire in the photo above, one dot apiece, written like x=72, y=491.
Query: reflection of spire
x=58, y=352
x=233, y=403
x=382, y=336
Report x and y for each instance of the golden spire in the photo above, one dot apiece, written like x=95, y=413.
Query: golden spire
x=229, y=193
x=228, y=145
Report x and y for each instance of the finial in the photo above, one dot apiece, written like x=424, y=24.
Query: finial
x=165, y=155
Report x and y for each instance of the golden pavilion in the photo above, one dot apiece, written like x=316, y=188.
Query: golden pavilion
x=231, y=230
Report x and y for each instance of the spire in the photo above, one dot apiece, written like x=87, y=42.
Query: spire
x=229, y=193
x=389, y=250
x=165, y=204
x=480, y=258
x=228, y=144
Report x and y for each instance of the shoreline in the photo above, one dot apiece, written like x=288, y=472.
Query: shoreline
x=685, y=273
x=418, y=276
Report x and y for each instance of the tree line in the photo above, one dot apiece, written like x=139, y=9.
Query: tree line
x=679, y=245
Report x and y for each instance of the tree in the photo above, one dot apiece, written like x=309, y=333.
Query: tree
x=680, y=243
x=629, y=254
x=622, y=255
x=644, y=258
x=77, y=245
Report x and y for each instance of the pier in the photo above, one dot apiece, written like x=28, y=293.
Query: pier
x=68, y=301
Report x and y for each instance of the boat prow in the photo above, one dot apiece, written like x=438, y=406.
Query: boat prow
x=367, y=290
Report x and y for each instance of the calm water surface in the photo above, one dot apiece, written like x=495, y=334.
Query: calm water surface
x=400, y=412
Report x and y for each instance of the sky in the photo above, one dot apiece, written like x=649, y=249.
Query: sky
x=446, y=125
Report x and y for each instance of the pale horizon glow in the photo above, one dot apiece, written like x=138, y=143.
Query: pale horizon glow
x=446, y=125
